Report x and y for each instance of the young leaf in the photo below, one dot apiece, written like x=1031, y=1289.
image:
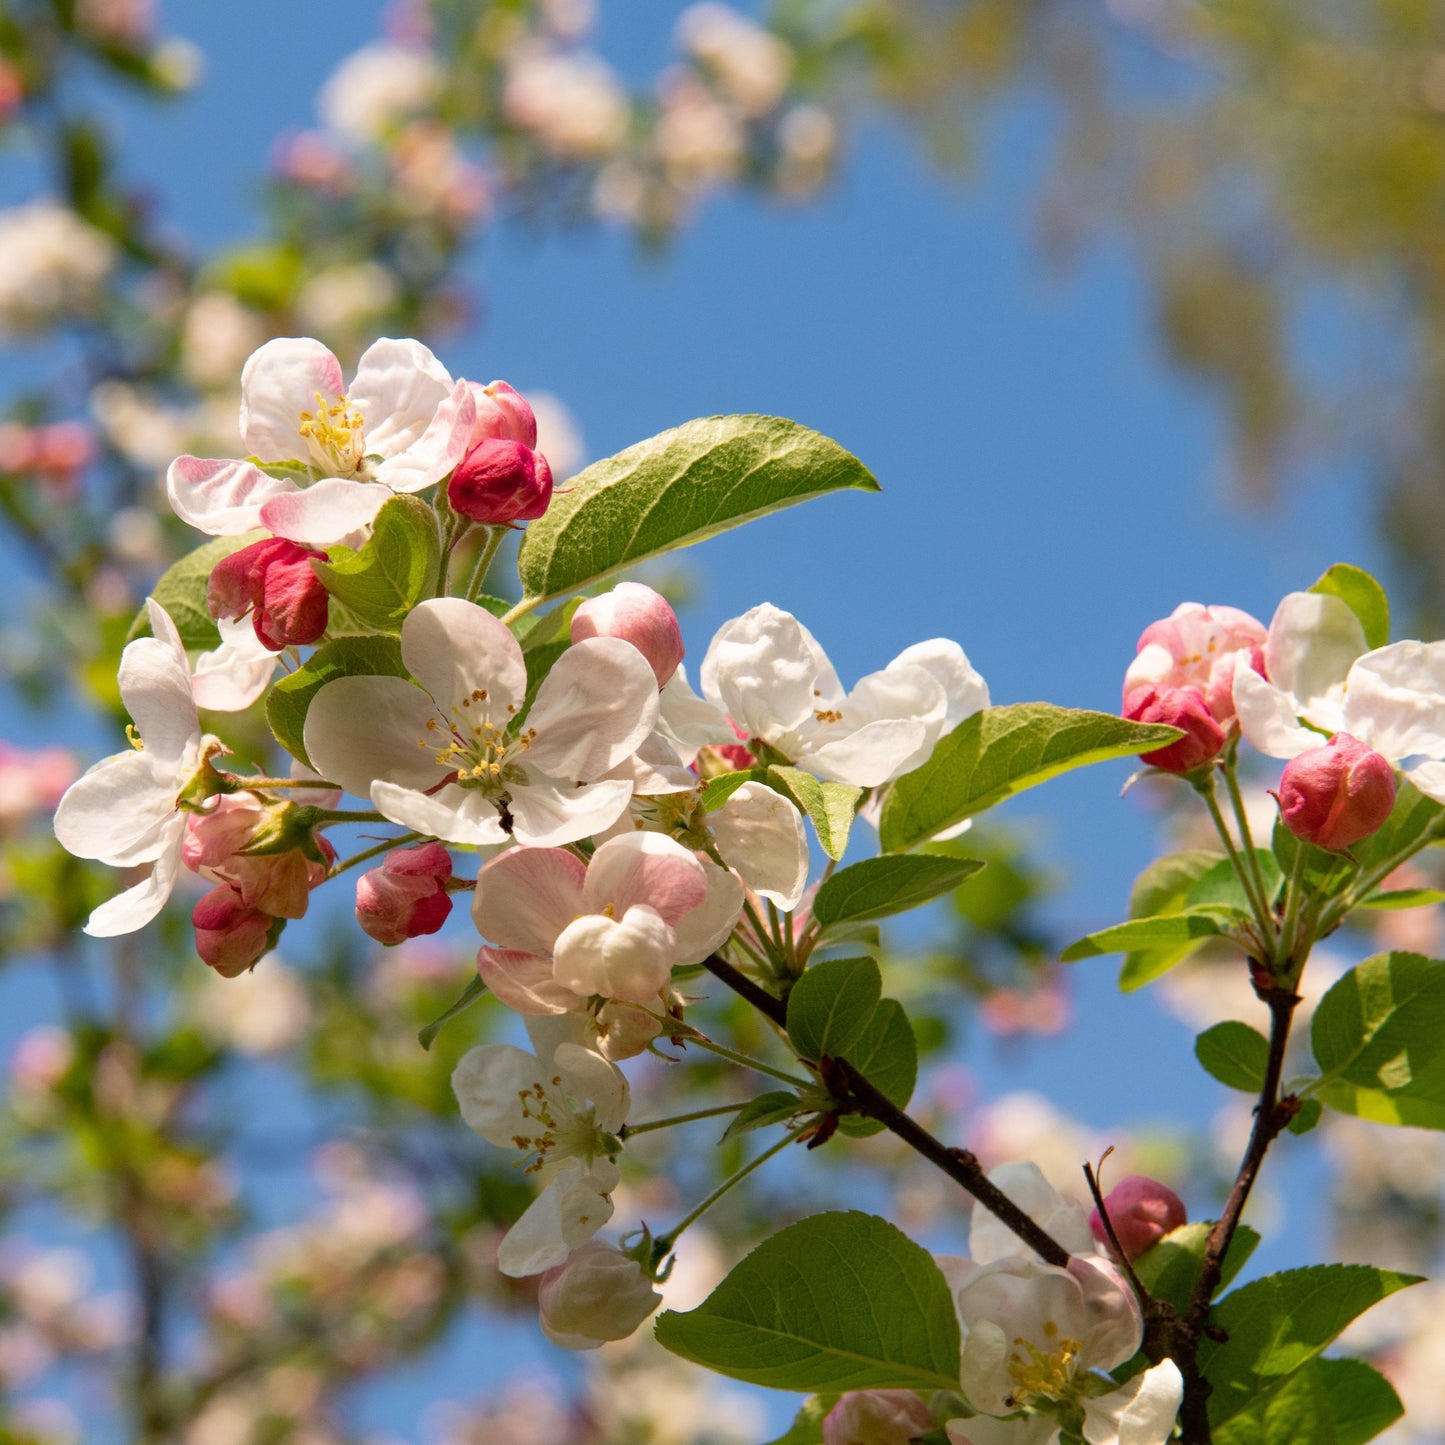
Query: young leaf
x=838, y=1301
x=1327, y=1402
x=999, y=752
x=881, y=887
x=716, y=791
x=1235, y=1054
x=473, y=991
x=1162, y=888
x=887, y=1055
x=1308, y=1116
x=1151, y=934
x=181, y=590
x=1411, y=816
x=770, y=1108
x=831, y=806
x=395, y=569
x=1270, y=1327
x=831, y=1005
x=1221, y=887
x=1404, y=898
x=1379, y=1039
x=680, y=487
x=286, y=707
x=1171, y=1267
x=1363, y=596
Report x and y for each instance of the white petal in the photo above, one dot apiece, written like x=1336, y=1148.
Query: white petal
x=279, y=382
x=1141, y=1412
x=455, y=815
x=437, y=450
x=527, y=896
x=489, y=1082
x=628, y=958
x=965, y=690
x=1429, y=778
x=1313, y=639
x=766, y=672
x=234, y=675
x=359, y=729
x=688, y=721
x=221, y=497
x=761, y=837
x=324, y=512
x=875, y=753
x=587, y=1075
x=546, y=816
x=117, y=811
x=398, y=387
x=136, y=907
x=567, y=1213
x=155, y=685
x=655, y=769
x=1395, y=700
x=1267, y=717
x=1024, y=1183
x=524, y=981
x=592, y=710
x=455, y=648
x=708, y=926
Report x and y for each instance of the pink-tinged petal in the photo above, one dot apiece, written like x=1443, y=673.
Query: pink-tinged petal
x=136, y=907
x=767, y=673
x=567, y=1213
x=546, y=816
x=628, y=957
x=1313, y=639
x=761, y=837
x=527, y=896
x=592, y=710
x=236, y=674
x=1395, y=701
x=964, y=689
x=220, y=497
x=524, y=982
x=455, y=648
x=1115, y=1321
x=324, y=512
x=359, y=729
x=1267, y=717
x=155, y=685
x=646, y=868
x=280, y=381
x=708, y=926
x=117, y=811
x=455, y=815
x=688, y=721
x=876, y=753
x=398, y=387
x=436, y=452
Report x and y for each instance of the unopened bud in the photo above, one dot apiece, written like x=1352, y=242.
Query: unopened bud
x=1336, y=794
x=1142, y=1212
x=597, y=1293
x=407, y=896
x=637, y=615
x=502, y=411
x=230, y=934
x=877, y=1417
x=1183, y=708
x=501, y=481
x=274, y=581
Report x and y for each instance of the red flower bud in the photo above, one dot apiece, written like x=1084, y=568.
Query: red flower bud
x=1336, y=794
x=407, y=896
x=501, y=480
x=637, y=615
x=231, y=935
x=1142, y=1212
x=1180, y=707
x=274, y=581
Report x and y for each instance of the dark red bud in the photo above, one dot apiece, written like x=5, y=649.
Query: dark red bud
x=501, y=480
x=274, y=581
x=1183, y=708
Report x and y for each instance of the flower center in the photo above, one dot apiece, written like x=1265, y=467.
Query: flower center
x=1043, y=1374
x=336, y=436
x=560, y=1129
x=481, y=754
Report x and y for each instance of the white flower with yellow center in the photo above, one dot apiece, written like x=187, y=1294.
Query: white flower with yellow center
x=561, y=1108
x=403, y=423
x=450, y=758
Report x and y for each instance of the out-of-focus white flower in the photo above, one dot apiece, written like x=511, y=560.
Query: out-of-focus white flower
x=375, y=88
x=218, y=334
x=807, y=147
x=572, y=103
x=261, y=1012
x=52, y=264
x=751, y=65
x=32, y=782
x=346, y=300
x=700, y=140
x=123, y=22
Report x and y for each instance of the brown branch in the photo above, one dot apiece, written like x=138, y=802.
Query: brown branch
x=960, y=1165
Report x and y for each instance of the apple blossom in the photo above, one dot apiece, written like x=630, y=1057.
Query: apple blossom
x=1199, y=647
x=877, y=1417
x=448, y=759
x=614, y=927
x=1183, y=708
x=1142, y=1212
x=638, y=615
x=232, y=676
x=231, y=935
x=562, y=1108
x=402, y=423
x=131, y=807
x=1337, y=794
x=597, y=1293
x=406, y=897
x=274, y=581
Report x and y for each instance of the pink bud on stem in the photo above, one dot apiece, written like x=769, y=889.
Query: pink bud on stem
x=1337, y=794
x=274, y=581
x=1183, y=708
x=407, y=896
x=637, y=615
x=1142, y=1212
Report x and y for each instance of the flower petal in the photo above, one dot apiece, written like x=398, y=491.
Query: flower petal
x=527, y=896
x=437, y=450
x=1141, y=1412
x=587, y=1075
x=236, y=673
x=690, y=722
x=398, y=387
x=1396, y=696
x=707, y=927
x=359, y=729
x=455, y=815
x=645, y=868
x=155, y=685
x=628, y=957
x=1313, y=639
x=221, y=497
x=546, y=816
x=567, y=1213
x=524, y=981
x=324, y=512
x=1024, y=1183
x=1267, y=717
x=964, y=689
x=117, y=811
x=136, y=907
x=455, y=648
x=489, y=1082
x=765, y=671
x=761, y=837
x=280, y=381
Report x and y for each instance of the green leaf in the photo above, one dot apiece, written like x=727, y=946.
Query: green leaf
x=375, y=656
x=1379, y=1039
x=831, y=1005
x=1162, y=888
x=1273, y=1326
x=680, y=487
x=1308, y=1116
x=1235, y=1054
x=887, y=1055
x=1404, y=898
x=395, y=569
x=1171, y=1267
x=473, y=991
x=1326, y=874
x=998, y=752
x=1221, y=887
x=1152, y=934
x=1409, y=819
x=831, y=806
x=770, y=1108
x=181, y=590
x=716, y=791
x=881, y=887
x=1363, y=596
x=838, y=1301
x=1327, y=1402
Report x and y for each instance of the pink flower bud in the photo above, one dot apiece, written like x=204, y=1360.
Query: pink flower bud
x=274, y=581
x=230, y=935
x=501, y=480
x=1142, y=1212
x=714, y=759
x=277, y=881
x=407, y=896
x=1199, y=647
x=1179, y=707
x=637, y=615
x=877, y=1417
x=597, y=1293
x=1336, y=794
x=503, y=412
